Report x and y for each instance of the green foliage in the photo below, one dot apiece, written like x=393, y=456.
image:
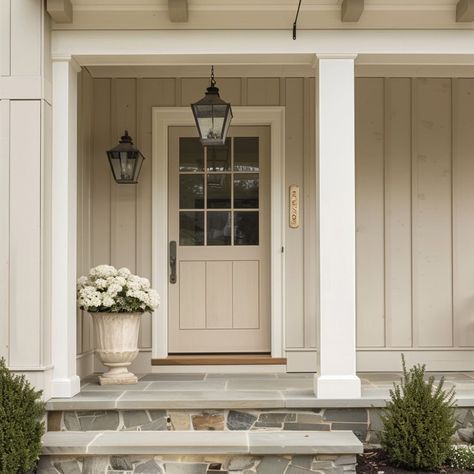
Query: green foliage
x=21, y=425
x=418, y=421
x=461, y=457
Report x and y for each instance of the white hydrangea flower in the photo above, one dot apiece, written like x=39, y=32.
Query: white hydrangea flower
x=114, y=289
x=101, y=283
x=108, y=301
x=103, y=271
x=124, y=272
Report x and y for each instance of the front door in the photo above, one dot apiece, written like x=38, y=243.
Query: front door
x=219, y=233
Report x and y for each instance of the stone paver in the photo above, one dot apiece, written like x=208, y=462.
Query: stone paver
x=270, y=390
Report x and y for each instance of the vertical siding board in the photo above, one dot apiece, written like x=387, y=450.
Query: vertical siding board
x=25, y=233
x=86, y=136
x=263, y=91
x=5, y=37
x=150, y=93
x=309, y=218
x=46, y=234
x=398, y=302
x=432, y=255
x=463, y=211
x=294, y=257
x=26, y=40
x=81, y=178
x=123, y=197
x=370, y=212
x=5, y=225
x=101, y=174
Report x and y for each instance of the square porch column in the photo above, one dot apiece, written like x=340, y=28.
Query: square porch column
x=337, y=346
x=65, y=382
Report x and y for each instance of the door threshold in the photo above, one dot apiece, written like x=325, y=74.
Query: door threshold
x=220, y=359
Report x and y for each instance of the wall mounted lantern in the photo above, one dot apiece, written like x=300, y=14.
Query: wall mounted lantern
x=212, y=115
x=125, y=160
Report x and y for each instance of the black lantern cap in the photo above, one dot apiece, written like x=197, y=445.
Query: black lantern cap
x=212, y=115
x=125, y=160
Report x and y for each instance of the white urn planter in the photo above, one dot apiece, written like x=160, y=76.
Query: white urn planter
x=116, y=299
x=117, y=345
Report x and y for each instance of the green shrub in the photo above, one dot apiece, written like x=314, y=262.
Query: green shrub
x=461, y=457
x=21, y=425
x=418, y=421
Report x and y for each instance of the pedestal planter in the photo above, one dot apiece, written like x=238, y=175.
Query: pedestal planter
x=117, y=345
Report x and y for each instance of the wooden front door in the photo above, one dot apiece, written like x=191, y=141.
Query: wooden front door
x=219, y=233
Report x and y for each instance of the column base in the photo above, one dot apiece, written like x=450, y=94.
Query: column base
x=337, y=386
x=65, y=388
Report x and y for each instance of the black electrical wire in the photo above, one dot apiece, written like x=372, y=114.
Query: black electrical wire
x=296, y=19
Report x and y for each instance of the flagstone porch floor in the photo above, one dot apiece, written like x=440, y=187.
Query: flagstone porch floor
x=269, y=390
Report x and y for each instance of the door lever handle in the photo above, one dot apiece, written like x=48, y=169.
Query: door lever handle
x=172, y=256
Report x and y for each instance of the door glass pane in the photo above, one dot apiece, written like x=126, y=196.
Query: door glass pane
x=218, y=157
x=218, y=191
x=246, y=154
x=246, y=191
x=191, y=228
x=191, y=154
x=219, y=228
x=191, y=191
x=245, y=228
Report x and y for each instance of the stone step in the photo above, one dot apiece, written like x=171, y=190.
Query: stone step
x=77, y=443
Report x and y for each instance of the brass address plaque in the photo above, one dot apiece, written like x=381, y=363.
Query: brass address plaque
x=294, y=206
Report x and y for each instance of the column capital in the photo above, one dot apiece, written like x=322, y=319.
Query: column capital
x=352, y=56
x=67, y=59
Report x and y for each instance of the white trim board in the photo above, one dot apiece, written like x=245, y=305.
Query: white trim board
x=165, y=117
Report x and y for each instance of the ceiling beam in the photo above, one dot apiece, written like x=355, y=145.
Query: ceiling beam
x=465, y=11
x=60, y=10
x=178, y=11
x=351, y=10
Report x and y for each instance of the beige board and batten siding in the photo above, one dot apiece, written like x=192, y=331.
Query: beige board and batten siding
x=415, y=220
x=120, y=216
x=414, y=196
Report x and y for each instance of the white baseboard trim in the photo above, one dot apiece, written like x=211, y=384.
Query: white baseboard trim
x=390, y=360
x=85, y=363
x=301, y=360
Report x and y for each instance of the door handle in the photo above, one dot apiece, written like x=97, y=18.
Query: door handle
x=173, y=261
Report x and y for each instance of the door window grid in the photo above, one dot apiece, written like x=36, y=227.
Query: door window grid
x=232, y=172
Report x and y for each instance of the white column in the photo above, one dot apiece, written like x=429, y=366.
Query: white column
x=337, y=367
x=64, y=182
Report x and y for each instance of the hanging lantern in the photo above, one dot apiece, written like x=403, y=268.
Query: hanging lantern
x=212, y=115
x=125, y=160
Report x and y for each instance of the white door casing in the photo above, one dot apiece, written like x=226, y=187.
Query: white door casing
x=165, y=117
x=219, y=224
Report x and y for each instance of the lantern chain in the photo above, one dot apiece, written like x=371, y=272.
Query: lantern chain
x=213, y=81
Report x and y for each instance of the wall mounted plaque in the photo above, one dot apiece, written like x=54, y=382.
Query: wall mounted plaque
x=294, y=206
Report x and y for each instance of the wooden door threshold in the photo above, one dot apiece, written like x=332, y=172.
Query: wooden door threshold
x=220, y=359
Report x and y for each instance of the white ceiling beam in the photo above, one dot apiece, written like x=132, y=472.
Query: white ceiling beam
x=178, y=11
x=465, y=11
x=351, y=10
x=60, y=10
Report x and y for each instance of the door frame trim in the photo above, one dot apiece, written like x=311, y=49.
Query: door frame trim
x=162, y=119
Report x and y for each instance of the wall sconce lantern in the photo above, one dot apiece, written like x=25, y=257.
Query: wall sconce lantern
x=212, y=115
x=125, y=160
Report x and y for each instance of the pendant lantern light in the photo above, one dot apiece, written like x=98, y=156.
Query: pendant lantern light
x=212, y=116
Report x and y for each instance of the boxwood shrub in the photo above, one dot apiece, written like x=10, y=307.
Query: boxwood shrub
x=21, y=423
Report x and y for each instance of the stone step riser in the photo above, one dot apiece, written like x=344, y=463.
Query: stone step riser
x=364, y=422
x=192, y=464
